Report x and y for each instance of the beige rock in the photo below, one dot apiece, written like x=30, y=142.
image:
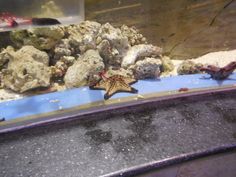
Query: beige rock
x=61, y=66
x=133, y=35
x=147, y=68
x=26, y=70
x=44, y=38
x=189, y=67
x=62, y=48
x=112, y=44
x=6, y=55
x=167, y=64
x=83, y=36
x=85, y=70
x=121, y=71
x=36, y=54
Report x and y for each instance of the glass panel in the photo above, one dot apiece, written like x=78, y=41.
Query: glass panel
x=22, y=11
x=184, y=28
x=127, y=51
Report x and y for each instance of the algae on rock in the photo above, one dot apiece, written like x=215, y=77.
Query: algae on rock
x=167, y=64
x=189, y=67
x=44, y=38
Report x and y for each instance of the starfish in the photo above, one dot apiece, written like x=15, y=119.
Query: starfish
x=218, y=73
x=114, y=84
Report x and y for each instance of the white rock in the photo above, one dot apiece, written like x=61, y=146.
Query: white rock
x=140, y=51
x=112, y=44
x=219, y=59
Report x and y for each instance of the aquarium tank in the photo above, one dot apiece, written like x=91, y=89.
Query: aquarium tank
x=58, y=55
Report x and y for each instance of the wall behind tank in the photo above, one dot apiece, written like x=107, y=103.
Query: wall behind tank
x=184, y=28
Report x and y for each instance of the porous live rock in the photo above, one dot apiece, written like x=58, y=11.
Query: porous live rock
x=112, y=44
x=26, y=71
x=62, y=49
x=85, y=71
x=19, y=37
x=121, y=71
x=138, y=52
x=41, y=38
x=133, y=35
x=36, y=54
x=83, y=36
x=5, y=55
x=61, y=66
x=189, y=67
x=147, y=68
x=167, y=64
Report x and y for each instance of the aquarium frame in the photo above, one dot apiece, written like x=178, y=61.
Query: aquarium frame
x=83, y=114
x=99, y=113
x=175, y=160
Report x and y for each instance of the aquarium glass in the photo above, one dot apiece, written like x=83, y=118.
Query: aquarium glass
x=107, y=52
x=66, y=11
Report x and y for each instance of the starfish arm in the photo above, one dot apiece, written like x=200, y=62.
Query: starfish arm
x=114, y=84
x=101, y=85
x=107, y=96
x=130, y=80
x=133, y=90
x=230, y=66
x=119, y=87
x=111, y=90
x=226, y=74
x=129, y=90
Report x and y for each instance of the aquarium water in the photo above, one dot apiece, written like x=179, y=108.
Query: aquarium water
x=147, y=48
x=22, y=11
